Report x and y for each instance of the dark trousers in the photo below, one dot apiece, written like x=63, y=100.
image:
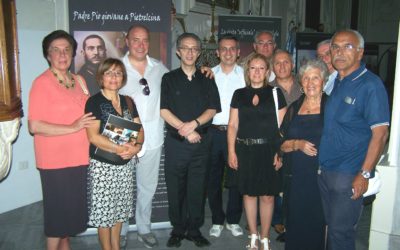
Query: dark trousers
x=185, y=176
x=218, y=161
x=341, y=212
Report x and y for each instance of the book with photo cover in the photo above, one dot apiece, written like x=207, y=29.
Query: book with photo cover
x=119, y=131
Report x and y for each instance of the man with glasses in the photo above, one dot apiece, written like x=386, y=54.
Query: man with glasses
x=94, y=51
x=228, y=76
x=355, y=131
x=324, y=54
x=264, y=44
x=189, y=101
x=143, y=85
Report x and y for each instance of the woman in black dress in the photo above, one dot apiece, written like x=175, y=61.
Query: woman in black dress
x=302, y=127
x=253, y=140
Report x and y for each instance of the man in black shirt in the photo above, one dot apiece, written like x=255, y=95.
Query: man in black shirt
x=189, y=101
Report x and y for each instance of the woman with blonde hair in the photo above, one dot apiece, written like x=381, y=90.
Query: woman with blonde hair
x=253, y=143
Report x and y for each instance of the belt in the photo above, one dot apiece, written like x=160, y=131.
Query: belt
x=222, y=128
x=250, y=141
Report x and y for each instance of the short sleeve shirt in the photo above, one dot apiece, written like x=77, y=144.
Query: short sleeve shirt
x=357, y=104
x=148, y=106
x=51, y=102
x=257, y=121
x=227, y=84
x=186, y=99
x=101, y=108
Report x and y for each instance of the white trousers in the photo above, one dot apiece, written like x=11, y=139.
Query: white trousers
x=146, y=183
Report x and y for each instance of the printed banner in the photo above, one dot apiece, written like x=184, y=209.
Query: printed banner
x=245, y=27
x=110, y=20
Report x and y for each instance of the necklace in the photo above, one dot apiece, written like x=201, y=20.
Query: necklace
x=309, y=108
x=118, y=100
x=66, y=84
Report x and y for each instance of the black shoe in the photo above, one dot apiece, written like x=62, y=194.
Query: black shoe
x=281, y=237
x=199, y=240
x=175, y=241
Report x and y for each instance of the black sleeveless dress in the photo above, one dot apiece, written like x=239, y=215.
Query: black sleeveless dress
x=256, y=173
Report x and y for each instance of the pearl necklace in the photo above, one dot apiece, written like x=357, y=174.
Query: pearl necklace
x=66, y=84
x=118, y=100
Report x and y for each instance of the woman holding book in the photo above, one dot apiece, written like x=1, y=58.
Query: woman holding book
x=57, y=122
x=253, y=143
x=110, y=173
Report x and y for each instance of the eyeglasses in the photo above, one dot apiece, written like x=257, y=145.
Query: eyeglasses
x=146, y=89
x=58, y=51
x=346, y=47
x=113, y=73
x=265, y=43
x=192, y=50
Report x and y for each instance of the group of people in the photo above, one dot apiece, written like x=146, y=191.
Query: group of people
x=313, y=141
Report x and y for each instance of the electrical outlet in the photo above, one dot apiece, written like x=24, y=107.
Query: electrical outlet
x=23, y=165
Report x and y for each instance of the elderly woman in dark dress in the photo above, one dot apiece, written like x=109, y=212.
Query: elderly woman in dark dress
x=301, y=128
x=253, y=142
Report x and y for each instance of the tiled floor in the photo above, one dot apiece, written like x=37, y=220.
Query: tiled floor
x=22, y=229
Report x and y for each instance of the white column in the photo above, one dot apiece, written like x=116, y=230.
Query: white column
x=385, y=221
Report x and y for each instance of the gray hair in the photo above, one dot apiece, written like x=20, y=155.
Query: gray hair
x=281, y=51
x=327, y=41
x=258, y=33
x=360, y=38
x=314, y=64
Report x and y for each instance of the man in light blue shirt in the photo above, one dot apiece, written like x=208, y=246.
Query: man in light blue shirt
x=324, y=53
x=228, y=76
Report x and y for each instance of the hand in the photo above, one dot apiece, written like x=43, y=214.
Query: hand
x=307, y=147
x=129, y=150
x=187, y=128
x=207, y=71
x=84, y=121
x=360, y=186
x=194, y=137
x=232, y=161
x=277, y=162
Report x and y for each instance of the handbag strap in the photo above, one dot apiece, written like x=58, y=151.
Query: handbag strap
x=129, y=102
x=275, y=94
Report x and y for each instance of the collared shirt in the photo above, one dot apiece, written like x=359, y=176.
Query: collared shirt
x=148, y=106
x=294, y=94
x=357, y=104
x=227, y=84
x=186, y=99
x=330, y=83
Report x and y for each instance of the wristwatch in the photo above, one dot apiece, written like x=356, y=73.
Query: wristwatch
x=365, y=174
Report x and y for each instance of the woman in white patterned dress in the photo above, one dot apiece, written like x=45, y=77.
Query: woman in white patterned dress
x=110, y=182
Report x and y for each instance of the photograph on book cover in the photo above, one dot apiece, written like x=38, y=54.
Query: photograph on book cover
x=117, y=131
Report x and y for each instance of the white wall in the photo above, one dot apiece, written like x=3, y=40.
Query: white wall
x=35, y=19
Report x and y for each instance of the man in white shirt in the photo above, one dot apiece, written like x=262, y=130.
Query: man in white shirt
x=143, y=85
x=324, y=53
x=228, y=76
